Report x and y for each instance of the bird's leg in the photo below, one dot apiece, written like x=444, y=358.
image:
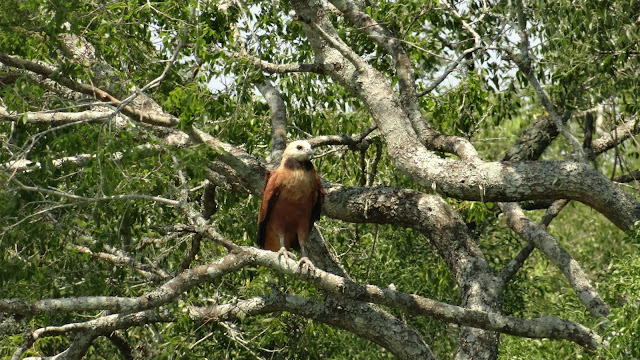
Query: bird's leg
x=283, y=250
x=304, y=260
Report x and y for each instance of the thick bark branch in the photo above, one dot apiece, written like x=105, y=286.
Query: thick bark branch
x=490, y=181
x=611, y=139
x=394, y=46
x=347, y=316
x=57, y=118
x=534, y=141
x=546, y=327
x=408, y=95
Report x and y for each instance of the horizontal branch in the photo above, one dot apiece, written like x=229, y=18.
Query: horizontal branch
x=627, y=178
x=544, y=327
x=265, y=65
x=56, y=117
x=82, y=199
x=341, y=139
x=25, y=165
x=155, y=298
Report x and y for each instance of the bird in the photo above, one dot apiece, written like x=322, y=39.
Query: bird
x=291, y=202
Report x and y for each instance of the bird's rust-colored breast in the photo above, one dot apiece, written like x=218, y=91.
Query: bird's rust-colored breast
x=291, y=202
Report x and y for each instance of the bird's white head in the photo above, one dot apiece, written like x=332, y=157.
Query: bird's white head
x=299, y=150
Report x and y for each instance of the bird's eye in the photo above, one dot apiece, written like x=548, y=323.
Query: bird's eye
x=299, y=147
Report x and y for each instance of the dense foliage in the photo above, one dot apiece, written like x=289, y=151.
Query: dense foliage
x=88, y=205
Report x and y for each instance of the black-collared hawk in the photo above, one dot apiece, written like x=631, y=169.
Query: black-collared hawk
x=291, y=202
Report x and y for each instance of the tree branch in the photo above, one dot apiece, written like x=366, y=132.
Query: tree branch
x=155, y=298
x=347, y=316
x=56, y=117
x=82, y=199
x=354, y=140
x=278, y=120
x=546, y=327
x=611, y=139
x=89, y=330
x=47, y=71
x=526, y=66
x=123, y=259
x=560, y=257
x=267, y=66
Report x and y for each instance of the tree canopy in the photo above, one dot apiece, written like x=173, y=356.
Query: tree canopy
x=480, y=162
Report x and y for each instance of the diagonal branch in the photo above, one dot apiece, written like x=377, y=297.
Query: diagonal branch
x=560, y=257
x=50, y=72
x=123, y=259
x=615, y=137
x=526, y=66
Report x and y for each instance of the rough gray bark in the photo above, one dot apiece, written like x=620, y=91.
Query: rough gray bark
x=136, y=310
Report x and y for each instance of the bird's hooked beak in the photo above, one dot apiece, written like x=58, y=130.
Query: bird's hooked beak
x=310, y=153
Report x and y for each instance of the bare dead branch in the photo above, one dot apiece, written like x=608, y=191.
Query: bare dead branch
x=452, y=66
x=80, y=160
x=162, y=295
x=89, y=330
x=56, y=118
